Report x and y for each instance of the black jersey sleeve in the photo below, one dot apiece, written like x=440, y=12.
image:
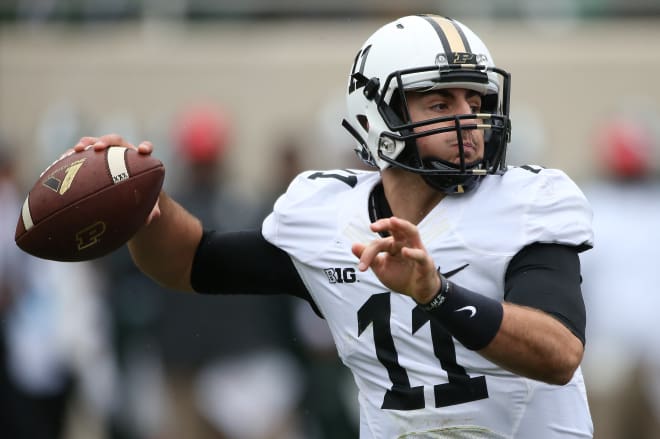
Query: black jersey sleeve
x=547, y=277
x=244, y=263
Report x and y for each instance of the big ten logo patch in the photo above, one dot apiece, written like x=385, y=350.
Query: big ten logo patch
x=341, y=275
x=90, y=235
x=61, y=179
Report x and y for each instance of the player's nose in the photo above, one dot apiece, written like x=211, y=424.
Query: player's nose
x=463, y=106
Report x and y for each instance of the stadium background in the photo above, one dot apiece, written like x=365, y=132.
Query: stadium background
x=283, y=71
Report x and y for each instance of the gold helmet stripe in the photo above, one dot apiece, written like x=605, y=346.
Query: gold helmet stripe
x=452, y=37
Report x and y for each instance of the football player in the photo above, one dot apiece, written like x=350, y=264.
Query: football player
x=450, y=281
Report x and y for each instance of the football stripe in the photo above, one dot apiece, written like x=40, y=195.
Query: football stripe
x=117, y=163
x=25, y=214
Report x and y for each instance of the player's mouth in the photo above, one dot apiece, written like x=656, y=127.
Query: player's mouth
x=469, y=150
x=466, y=145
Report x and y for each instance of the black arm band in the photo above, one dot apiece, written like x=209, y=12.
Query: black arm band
x=473, y=319
x=225, y=264
x=547, y=277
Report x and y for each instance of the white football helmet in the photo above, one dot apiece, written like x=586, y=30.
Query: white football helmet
x=426, y=52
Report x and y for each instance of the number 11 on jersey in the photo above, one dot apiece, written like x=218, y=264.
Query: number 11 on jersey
x=460, y=387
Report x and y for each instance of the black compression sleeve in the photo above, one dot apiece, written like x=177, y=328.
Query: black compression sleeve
x=243, y=263
x=547, y=277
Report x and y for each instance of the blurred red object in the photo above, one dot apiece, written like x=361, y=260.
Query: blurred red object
x=203, y=134
x=624, y=149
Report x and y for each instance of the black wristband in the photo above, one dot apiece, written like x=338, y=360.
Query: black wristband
x=473, y=319
x=439, y=298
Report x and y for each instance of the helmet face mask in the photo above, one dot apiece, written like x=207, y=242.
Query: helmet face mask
x=409, y=55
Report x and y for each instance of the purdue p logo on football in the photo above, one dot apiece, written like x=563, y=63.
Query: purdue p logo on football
x=90, y=235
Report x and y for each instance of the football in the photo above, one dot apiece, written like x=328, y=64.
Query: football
x=88, y=204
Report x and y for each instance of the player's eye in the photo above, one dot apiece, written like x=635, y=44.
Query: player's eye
x=475, y=105
x=439, y=107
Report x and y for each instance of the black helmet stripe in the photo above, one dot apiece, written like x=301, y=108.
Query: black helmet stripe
x=451, y=35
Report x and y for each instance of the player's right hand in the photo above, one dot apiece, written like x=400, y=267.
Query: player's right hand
x=108, y=140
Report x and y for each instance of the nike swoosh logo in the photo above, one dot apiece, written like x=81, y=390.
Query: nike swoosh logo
x=454, y=271
x=470, y=308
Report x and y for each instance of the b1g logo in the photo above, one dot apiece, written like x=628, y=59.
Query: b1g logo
x=340, y=275
x=62, y=183
x=90, y=235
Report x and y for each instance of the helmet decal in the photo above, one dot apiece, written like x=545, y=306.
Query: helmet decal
x=358, y=80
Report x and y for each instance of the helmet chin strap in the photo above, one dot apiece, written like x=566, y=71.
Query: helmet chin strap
x=451, y=184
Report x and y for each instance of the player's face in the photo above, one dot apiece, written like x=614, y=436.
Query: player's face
x=443, y=103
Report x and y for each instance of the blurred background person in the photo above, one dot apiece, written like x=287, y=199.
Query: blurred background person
x=329, y=393
x=54, y=345
x=622, y=361
x=211, y=375
x=243, y=374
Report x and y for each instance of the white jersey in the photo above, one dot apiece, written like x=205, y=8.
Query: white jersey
x=414, y=379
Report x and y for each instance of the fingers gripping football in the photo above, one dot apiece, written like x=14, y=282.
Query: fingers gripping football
x=103, y=142
x=107, y=140
x=90, y=201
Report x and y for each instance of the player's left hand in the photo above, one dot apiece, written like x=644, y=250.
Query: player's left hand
x=400, y=260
